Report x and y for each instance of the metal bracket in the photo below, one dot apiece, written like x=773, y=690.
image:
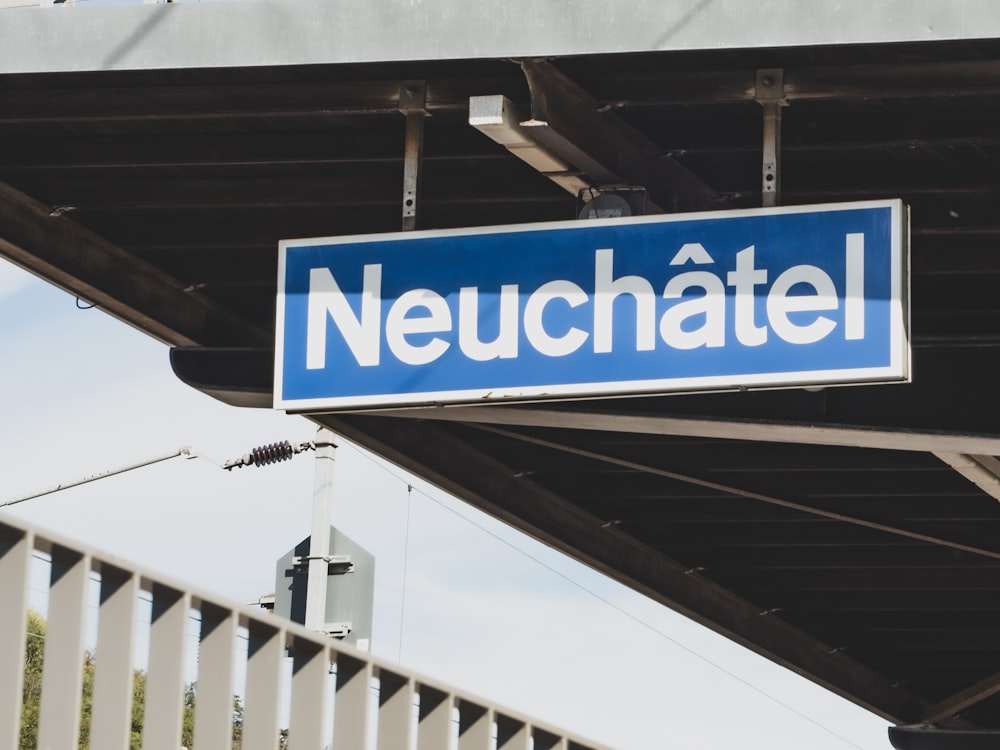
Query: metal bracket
x=339, y=563
x=770, y=94
x=412, y=105
x=337, y=629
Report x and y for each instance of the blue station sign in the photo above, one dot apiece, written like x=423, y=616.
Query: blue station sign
x=790, y=296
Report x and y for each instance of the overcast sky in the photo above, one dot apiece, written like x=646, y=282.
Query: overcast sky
x=475, y=604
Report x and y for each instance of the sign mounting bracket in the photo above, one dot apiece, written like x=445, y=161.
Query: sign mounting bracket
x=413, y=106
x=770, y=94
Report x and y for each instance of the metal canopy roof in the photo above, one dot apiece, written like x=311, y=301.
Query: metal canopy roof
x=850, y=534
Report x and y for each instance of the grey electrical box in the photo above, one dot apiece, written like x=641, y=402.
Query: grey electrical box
x=350, y=588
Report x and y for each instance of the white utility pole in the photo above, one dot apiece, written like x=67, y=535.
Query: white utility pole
x=319, y=545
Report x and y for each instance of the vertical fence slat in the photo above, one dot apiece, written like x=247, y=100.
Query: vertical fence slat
x=15, y=570
x=475, y=726
x=350, y=710
x=512, y=734
x=164, y=706
x=543, y=740
x=111, y=715
x=310, y=667
x=213, y=713
x=265, y=652
x=62, y=672
x=434, y=719
x=395, y=711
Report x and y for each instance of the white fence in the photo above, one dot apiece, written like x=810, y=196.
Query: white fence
x=328, y=692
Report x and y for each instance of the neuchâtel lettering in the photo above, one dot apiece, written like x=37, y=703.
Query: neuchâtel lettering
x=420, y=324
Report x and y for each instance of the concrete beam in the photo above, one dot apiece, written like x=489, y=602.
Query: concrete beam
x=307, y=32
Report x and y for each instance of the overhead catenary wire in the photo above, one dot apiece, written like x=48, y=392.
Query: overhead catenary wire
x=184, y=451
x=263, y=455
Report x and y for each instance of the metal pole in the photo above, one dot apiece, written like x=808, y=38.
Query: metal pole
x=319, y=545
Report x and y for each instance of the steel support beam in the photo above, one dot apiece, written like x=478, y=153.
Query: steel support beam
x=928, y=414
x=46, y=241
x=580, y=131
x=445, y=459
x=498, y=118
x=710, y=427
x=960, y=701
x=982, y=471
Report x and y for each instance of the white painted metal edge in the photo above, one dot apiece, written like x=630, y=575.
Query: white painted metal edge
x=82, y=36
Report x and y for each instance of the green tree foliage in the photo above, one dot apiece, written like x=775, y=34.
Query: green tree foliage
x=138, y=706
x=187, y=724
x=31, y=697
x=87, y=701
x=31, y=690
x=237, y=723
